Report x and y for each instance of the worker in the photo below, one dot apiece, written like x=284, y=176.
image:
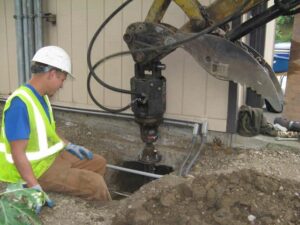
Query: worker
x=32, y=151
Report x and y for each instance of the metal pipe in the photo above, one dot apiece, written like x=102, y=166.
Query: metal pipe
x=20, y=41
x=25, y=40
x=182, y=170
x=38, y=24
x=133, y=171
x=194, y=140
x=115, y=115
x=204, y=130
x=120, y=115
x=121, y=194
x=188, y=168
x=31, y=37
x=91, y=112
x=192, y=157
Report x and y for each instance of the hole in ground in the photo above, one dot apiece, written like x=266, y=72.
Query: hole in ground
x=127, y=183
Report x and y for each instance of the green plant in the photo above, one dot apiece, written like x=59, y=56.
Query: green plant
x=18, y=204
x=284, y=27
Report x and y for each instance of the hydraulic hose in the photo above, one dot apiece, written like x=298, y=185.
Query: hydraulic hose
x=95, y=100
x=92, y=68
x=98, y=103
x=92, y=72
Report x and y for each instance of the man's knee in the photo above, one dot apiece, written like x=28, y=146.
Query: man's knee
x=98, y=188
x=100, y=163
x=100, y=159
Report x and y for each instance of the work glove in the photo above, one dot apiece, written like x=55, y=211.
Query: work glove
x=42, y=199
x=79, y=151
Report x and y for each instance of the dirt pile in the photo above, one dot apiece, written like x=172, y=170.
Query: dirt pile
x=243, y=197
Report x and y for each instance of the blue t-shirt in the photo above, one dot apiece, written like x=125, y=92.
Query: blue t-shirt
x=17, y=120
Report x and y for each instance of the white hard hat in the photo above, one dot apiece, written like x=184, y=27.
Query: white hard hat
x=53, y=56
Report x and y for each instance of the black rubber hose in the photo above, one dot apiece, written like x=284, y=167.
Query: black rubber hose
x=91, y=46
x=95, y=100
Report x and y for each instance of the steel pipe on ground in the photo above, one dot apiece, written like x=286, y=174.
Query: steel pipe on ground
x=133, y=171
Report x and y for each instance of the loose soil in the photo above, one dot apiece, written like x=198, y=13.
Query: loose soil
x=243, y=186
x=226, y=186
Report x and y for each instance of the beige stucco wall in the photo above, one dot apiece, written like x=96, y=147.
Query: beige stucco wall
x=192, y=94
x=8, y=60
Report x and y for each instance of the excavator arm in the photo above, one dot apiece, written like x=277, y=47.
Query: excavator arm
x=208, y=38
x=199, y=15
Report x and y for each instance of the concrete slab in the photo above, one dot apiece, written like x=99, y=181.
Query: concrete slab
x=261, y=141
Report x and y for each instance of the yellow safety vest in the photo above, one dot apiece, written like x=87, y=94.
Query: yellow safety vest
x=43, y=144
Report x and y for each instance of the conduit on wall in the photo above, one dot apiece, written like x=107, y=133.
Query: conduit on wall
x=28, y=16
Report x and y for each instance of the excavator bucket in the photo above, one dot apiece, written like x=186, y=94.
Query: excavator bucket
x=220, y=57
x=235, y=62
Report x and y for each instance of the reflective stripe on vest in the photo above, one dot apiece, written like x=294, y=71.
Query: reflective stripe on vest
x=2, y=147
x=34, y=155
x=43, y=150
